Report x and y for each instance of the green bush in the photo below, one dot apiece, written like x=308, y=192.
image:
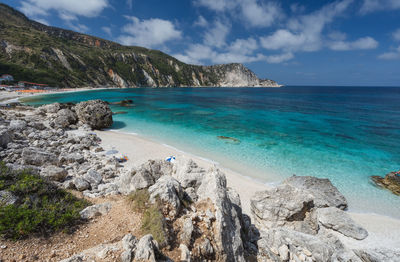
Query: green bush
x=41, y=207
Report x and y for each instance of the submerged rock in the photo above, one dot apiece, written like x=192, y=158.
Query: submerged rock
x=95, y=113
x=229, y=139
x=391, y=182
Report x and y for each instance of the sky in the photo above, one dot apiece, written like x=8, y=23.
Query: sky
x=309, y=42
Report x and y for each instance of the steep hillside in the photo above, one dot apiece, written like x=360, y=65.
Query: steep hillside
x=35, y=52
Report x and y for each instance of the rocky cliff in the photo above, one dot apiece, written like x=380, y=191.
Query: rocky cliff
x=35, y=52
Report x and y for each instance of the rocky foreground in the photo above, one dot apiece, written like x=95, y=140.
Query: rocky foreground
x=302, y=219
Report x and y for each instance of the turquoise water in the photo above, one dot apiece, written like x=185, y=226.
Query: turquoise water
x=345, y=134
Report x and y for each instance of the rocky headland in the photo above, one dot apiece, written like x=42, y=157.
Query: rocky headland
x=177, y=211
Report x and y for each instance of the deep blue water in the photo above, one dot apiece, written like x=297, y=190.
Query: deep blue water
x=345, y=134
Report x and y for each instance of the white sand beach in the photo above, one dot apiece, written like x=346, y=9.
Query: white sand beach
x=384, y=232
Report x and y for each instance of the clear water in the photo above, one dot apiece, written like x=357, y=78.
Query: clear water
x=345, y=134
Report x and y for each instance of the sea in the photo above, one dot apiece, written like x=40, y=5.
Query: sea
x=346, y=134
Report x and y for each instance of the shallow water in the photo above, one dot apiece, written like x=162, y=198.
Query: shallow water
x=345, y=134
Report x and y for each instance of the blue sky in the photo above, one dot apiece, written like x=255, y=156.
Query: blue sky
x=313, y=42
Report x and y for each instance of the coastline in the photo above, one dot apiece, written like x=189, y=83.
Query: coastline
x=383, y=231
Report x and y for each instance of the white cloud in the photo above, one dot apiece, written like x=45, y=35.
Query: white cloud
x=305, y=32
x=201, y=22
x=253, y=12
x=88, y=8
x=244, y=46
x=337, y=36
x=361, y=43
x=276, y=59
x=149, y=33
x=78, y=27
x=396, y=35
x=369, y=6
x=42, y=21
x=394, y=55
x=216, y=36
x=107, y=30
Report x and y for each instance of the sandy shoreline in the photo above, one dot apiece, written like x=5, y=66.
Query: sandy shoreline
x=383, y=231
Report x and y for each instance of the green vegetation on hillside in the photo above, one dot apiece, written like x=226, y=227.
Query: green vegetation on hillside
x=40, y=208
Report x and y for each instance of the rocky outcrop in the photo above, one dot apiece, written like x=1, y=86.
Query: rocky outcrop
x=298, y=218
x=390, y=182
x=95, y=113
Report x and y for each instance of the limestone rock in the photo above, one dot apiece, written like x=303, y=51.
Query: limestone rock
x=5, y=138
x=229, y=245
x=7, y=198
x=95, y=210
x=65, y=118
x=146, y=249
x=189, y=174
x=51, y=108
x=95, y=113
x=129, y=246
x=186, y=232
x=37, y=157
x=169, y=191
x=378, y=255
x=93, y=178
x=17, y=125
x=391, y=182
x=284, y=205
x=336, y=219
x=325, y=194
x=185, y=253
x=81, y=184
x=54, y=173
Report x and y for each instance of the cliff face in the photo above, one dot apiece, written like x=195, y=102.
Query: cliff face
x=35, y=52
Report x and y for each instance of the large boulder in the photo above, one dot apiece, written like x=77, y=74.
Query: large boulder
x=17, y=125
x=325, y=194
x=144, y=176
x=169, y=191
x=146, y=249
x=95, y=113
x=5, y=138
x=287, y=206
x=50, y=108
x=37, y=157
x=336, y=219
x=54, y=173
x=227, y=225
x=189, y=174
x=95, y=210
x=391, y=182
x=65, y=118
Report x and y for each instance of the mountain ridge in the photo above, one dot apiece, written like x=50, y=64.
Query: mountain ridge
x=35, y=52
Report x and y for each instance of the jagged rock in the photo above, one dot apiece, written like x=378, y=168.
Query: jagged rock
x=129, y=246
x=185, y=253
x=190, y=194
x=189, y=174
x=81, y=184
x=54, y=173
x=336, y=219
x=144, y=176
x=7, y=198
x=51, y=108
x=325, y=194
x=146, y=249
x=284, y=205
x=170, y=192
x=206, y=248
x=272, y=241
x=37, y=157
x=391, y=182
x=95, y=113
x=95, y=210
x=17, y=125
x=93, y=178
x=65, y=118
x=73, y=158
x=229, y=245
x=186, y=232
x=5, y=138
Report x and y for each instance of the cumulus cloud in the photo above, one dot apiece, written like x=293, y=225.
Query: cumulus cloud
x=244, y=46
x=201, y=22
x=393, y=55
x=369, y=6
x=107, y=30
x=88, y=8
x=362, y=43
x=253, y=12
x=216, y=36
x=276, y=59
x=305, y=32
x=149, y=33
x=396, y=35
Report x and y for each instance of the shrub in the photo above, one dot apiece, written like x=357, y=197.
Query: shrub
x=41, y=207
